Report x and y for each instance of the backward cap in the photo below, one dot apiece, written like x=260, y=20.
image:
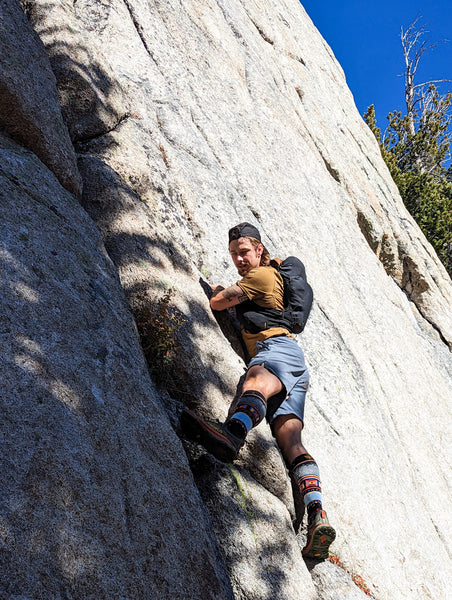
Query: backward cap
x=244, y=230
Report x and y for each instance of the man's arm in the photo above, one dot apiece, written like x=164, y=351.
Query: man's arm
x=224, y=298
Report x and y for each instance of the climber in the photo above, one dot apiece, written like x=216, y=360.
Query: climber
x=275, y=384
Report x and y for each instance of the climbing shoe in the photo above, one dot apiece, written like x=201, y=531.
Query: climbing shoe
x=215, y=437
x=320, y=536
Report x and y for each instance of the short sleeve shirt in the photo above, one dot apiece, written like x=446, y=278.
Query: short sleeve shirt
x=263, y=285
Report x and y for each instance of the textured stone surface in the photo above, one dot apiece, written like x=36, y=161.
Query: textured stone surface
x=92, y=99
x=333, y=583
x=244, y=114
x=254, y=533
x=239, y=111
x=30, y=112
x=95, y=485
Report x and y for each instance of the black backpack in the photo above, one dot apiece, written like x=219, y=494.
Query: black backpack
x=298, y=297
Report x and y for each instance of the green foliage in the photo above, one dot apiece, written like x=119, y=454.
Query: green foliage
x=420, y=142
x=429, y=200
x=415, y=149
x=158, y=326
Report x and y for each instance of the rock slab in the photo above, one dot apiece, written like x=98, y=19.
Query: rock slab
x=90, y=480
x=30, y=111
x=238, y=110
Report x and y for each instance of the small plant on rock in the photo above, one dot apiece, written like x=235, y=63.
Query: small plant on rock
x=158, y=325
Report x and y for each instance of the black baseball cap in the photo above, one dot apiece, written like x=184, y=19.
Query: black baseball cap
x=244, y=230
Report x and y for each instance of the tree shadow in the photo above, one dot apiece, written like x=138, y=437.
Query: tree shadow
x=72, y=427
x=108, y=198
x=185, y=385
x=224, y=489
x=57, y=432
x=92, y=100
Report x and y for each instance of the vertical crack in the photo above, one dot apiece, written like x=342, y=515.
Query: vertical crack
x=140, y=32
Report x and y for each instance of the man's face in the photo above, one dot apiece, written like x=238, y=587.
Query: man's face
x=244, y=255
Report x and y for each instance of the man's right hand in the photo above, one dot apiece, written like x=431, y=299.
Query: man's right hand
x=216, y=289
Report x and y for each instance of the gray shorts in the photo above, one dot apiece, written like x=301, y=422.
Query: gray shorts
x=283, y=357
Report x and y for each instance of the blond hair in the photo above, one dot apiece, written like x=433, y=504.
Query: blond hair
x=265, y=257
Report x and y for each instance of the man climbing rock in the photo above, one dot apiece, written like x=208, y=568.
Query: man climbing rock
x=275, y=385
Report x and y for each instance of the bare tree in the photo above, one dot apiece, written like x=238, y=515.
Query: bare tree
x=414, y=47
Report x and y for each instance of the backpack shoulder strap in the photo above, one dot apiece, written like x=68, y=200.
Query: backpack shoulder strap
x=276, y=263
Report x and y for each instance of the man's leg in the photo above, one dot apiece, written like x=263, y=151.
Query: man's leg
x=303, y=468
x=251, y=407
x=224, y=440
x=305, y=473
x=287, y=431
x=258, y=377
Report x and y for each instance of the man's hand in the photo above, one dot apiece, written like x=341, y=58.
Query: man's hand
x=224, y=298
x=216, y=289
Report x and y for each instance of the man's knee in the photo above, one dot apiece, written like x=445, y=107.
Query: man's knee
x=260, y=378
x=256, y=371
x=287, y=424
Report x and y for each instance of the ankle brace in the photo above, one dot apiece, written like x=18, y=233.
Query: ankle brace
x=250, y=410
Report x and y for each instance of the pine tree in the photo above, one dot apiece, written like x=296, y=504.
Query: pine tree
x=415, y=146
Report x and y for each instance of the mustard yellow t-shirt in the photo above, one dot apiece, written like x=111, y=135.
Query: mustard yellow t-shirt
x=263, y=285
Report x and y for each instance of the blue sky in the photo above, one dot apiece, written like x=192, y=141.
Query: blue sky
x=365, y=38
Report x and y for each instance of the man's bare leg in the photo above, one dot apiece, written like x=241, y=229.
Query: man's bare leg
x=305, y=475
x=286, y=428
x=287, y=431
x=224, y=440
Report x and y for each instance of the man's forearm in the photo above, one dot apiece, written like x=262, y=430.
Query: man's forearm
x=224, y=298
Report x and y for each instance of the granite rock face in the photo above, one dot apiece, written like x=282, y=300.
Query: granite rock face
x=95, y=484
x=91, y=96
x=30, y=111
x=192, y=117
